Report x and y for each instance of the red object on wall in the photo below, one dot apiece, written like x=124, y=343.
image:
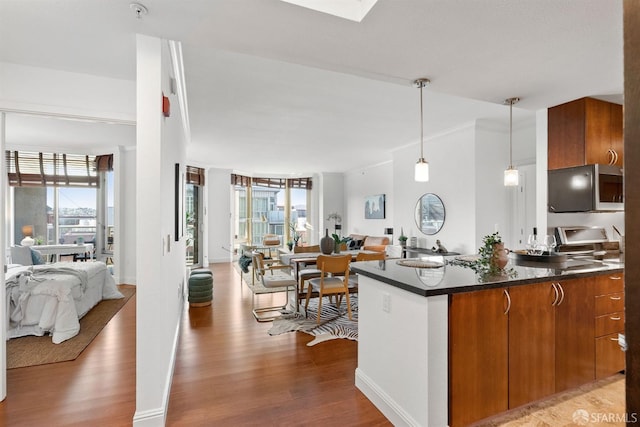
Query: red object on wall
x=166, y=107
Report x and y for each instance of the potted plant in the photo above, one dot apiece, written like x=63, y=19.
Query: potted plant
x=290, y=245
x=402, y=238
x=338, y=241
x=295, y=234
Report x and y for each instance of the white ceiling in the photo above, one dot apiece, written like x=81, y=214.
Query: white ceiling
x=277, y=88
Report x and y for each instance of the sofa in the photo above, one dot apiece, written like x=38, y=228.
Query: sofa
x=368, y=243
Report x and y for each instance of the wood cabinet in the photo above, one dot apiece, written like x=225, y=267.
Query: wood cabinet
x=609, y=322
x=478, y=359
x=585, y=131
x=531, y=343
x=501, y=347
x=515, y=345
x=575, y=347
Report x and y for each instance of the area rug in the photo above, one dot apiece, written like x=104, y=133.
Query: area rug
x=32, y=351
x=334, y=322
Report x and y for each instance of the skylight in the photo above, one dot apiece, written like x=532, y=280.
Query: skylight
x=354, y=10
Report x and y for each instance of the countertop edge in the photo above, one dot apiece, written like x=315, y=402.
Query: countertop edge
x=482, y=286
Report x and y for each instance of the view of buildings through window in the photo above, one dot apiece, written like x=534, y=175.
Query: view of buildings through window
x=267, y=215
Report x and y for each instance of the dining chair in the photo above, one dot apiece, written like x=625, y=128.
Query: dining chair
x=334, y=280
x=270, y=281
x=364, y=256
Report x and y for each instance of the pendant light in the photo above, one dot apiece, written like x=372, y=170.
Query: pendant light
x=422, y=166
x=511, y=174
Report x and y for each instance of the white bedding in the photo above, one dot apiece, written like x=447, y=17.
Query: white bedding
x=51, y=298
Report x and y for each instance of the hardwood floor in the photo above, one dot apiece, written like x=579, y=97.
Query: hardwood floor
x=98, y=388
x=228, y=372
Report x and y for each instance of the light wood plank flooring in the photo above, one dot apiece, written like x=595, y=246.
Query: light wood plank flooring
x=229, y=372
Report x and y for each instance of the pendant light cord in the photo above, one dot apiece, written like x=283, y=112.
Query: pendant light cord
x=510, y=133
x=421, y=124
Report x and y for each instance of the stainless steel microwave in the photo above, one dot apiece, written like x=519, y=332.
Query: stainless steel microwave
x=589, y=188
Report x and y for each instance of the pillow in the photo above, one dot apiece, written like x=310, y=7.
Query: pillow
x=36, y=257
x=21, y=255
x=355, y=244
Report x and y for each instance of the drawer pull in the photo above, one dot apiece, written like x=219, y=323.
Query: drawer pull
x=614, y=318
x=615, y=277
x=613, y=339
x=615, y=298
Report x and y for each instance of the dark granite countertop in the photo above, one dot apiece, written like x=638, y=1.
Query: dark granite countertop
x=451, y=279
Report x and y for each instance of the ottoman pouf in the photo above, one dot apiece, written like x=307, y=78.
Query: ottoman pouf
x=201, y=271
x=200, y=289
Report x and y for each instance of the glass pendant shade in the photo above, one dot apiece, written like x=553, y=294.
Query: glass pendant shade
x=511, y=177
x=422, y=171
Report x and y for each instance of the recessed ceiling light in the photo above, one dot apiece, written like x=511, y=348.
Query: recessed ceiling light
x=354, y=10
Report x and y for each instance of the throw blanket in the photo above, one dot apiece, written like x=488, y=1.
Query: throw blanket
x=244, y=262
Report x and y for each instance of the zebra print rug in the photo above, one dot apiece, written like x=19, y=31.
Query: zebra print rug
x=334, y=322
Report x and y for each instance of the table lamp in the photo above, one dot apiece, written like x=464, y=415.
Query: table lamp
x=27, y=232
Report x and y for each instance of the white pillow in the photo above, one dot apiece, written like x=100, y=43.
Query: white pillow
x=21, y=255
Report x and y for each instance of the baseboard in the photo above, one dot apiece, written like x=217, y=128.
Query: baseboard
x=382, y=401
x=157, y=417
x=150, y=418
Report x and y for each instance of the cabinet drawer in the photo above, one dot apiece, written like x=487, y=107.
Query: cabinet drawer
x=609, y=283
x=611, y=303
x=609, y=356
x=609, y=323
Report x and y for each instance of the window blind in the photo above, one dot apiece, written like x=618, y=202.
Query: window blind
x=195, y=175
x=245, y=181
x=31, y=169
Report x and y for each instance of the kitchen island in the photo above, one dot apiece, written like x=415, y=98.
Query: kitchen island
x=434, y=343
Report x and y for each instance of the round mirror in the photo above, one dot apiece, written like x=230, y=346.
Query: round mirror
x=429, y=213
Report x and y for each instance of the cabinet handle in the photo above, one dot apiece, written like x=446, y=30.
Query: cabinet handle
x=615, y=277
x=612, y=156
x=613, y=339
x=615, y=298
x=506, y=293
x=561, y=293
x=555, y=289
x=614, y=318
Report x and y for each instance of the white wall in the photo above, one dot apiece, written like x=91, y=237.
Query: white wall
x=361, y=183
x=451, y=158
x=126, y=171
x=160, y=258
x=331, y=193
x=220, y=215
x=64, y=93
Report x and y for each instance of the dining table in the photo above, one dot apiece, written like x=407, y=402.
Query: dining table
x=297, y=261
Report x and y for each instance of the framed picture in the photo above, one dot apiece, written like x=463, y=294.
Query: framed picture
x=179, y=202
x=374, y=206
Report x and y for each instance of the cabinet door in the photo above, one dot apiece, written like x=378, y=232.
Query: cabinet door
x=531, y=343
x=617, y=140
x=597, y=131
x=478, y=365
x=575, y=331
x=566, y=134
x=610, y=358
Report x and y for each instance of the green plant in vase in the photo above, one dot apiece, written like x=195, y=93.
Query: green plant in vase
x=492, y=258
x=338, y=241
x=402, y=238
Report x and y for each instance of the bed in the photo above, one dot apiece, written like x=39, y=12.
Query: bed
x=52, y=298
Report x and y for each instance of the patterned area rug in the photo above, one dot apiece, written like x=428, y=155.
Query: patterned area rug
x=334, y=321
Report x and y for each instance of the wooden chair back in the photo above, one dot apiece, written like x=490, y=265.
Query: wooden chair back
x=336, y=265
x=371, y=256
x=257, y=262
x=306, y=249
